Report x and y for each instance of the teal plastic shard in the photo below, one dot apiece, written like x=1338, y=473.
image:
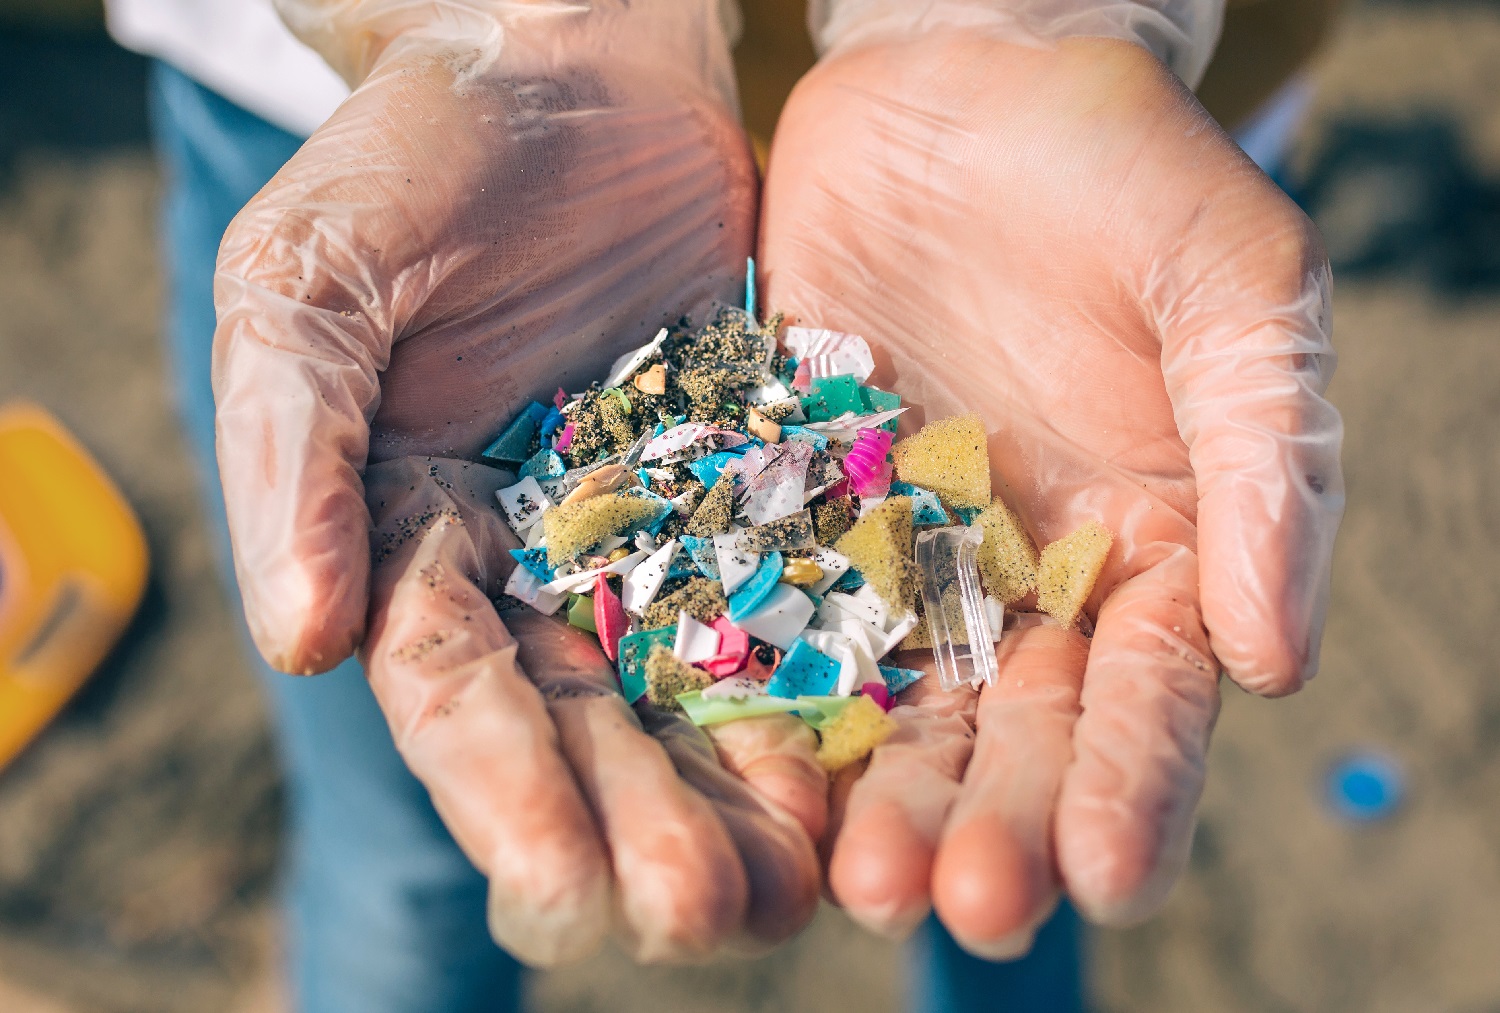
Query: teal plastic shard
x=831, y=397
x=926, y=508
x=953, y=602
x=514, y=445
x=544, y=464
x=634, y=649
x=750, y=288
x=877, y=400
x=804, y=671
x=897, y=679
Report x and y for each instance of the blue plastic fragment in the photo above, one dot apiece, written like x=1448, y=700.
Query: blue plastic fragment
x=544, y=464
x=750, y=287
x=925, y=506
x=850, y=580
x=801, y=434
x=967, y=514
x=804, y=671
x=897, y=679
x=664, y=508
x=511, y=446
x=661, y=427
x=701, y=550
x=552, y=422
x=535, y=562
x=707, y=469
x=1365, y=787
x=752, y=592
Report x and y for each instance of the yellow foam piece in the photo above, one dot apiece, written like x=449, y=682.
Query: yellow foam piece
x=1007, y=556
x=574, y=527
x=73, y=565
x=948, y=457
x=1069, y=569
x=668, y=675
x=879, y=547
x=854, y=734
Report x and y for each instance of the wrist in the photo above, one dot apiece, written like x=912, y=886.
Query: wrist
x=1181, y=33
x=690, y=38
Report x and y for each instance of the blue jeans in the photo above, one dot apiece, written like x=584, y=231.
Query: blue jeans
x=386, y=914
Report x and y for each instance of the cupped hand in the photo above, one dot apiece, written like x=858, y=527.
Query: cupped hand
x=469, y=231
x=1059, y=238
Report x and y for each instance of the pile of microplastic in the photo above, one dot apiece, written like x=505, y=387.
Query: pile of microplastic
x=744, y=535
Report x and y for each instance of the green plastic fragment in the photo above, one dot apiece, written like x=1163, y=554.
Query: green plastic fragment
x=514, y=445
x=620, y=394
x=831, y=397
x=581, y=612
x=716, y=712
x=819, y=710
x=634, y=650
x=881, y=401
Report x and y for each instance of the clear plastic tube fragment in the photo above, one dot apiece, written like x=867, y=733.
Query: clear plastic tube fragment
x=953, y=603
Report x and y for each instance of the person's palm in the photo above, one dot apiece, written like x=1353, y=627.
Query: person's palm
x=455, y=242
x=1062, y=240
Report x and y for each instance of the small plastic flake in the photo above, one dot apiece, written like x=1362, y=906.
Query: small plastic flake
x=628, y=363
x=897, y=679
x=642, y=583
x=831, y=397
x=524, y=586
x=581, y=613
x=777, y=490
x=801, y=434
x=534, y=560
x=847, y=426
x=523, y=503
x=734, y=649
x=553, y=420
x=735, y=565
x=544, y=464
x=703, y=709
x=579, y=578
x=948, y=561
x=634, y=649
x=926, y=509
x=833, y=565
x=877, y=401
x=610, y=620
x=824, y=353
x=668, y=676
x=878, y=692
x=695, y=641
x=785, y=534
x=703, y=554
x=805, y=671
x=679, y=438
x=749, y=596
x=710, y=468
x=781, y=616
x=514, y=444
x=734, y=689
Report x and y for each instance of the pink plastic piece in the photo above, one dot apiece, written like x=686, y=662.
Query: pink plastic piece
x=876, y=691
x=560, y=398
x=868, y=471
x=823, y=353
x=837, y=490
x=734, y=650
x=609, y=618
x=565, y=438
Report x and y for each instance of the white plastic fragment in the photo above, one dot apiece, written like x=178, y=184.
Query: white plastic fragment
x=642, y=583
x=783, y=615
x=869, y=503
x=855, y=665
x=868, y=607
x=948, y=561
x=847, y=426
x=994, y=611
x=821, y=352
x=536, y=536
x=523, y=503
x=679, y=438
x=632, y=361
x=735, y=567
x=833, y=564
x=527, y=586
x=734, y=688
x=695, y=641
x=897, y=632
x=580, y=578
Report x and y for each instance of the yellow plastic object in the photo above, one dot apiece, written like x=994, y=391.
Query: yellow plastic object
x=72, y=570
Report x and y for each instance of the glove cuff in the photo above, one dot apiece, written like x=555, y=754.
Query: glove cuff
x=1182, y=33
x=692, y=36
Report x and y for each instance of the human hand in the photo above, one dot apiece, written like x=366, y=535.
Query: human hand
x=479, y=223
x=1058, y=237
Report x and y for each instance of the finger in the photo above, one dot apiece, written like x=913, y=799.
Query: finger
x=777, y=756
x=880, y=871
x=994, y=881
x=779, y=862
x=467, y=720
x=1247, y=357
x=1150, y=698
x=680, y=889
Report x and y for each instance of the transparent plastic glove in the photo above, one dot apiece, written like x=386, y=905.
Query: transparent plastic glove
x=1062, y=240
x=476, y=225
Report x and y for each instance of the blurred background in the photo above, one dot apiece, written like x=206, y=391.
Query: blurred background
x=138, y=836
